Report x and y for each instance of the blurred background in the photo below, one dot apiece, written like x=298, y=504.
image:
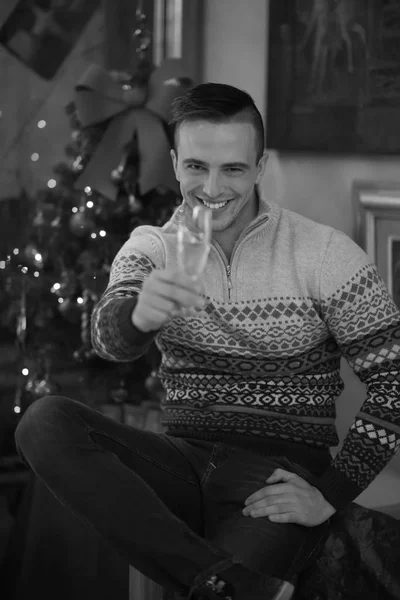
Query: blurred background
x=85, y=91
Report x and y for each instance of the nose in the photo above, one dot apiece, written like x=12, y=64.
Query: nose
x=212, y=184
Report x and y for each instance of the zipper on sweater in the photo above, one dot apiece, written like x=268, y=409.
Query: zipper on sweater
x=228, y=272
x=227, y=265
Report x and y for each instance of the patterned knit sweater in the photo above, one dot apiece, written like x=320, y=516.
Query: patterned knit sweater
x=262, y=359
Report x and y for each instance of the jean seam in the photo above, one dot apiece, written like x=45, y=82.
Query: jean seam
x=210, y=465
x=90, y=430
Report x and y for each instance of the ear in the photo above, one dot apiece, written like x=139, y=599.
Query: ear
x=262, y=163
x=175, y=163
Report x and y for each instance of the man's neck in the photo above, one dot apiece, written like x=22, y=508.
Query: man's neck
x=228, y=237
x=227, y=243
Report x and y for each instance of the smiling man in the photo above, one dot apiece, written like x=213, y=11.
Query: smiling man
x=219, y=165
x=235, y=498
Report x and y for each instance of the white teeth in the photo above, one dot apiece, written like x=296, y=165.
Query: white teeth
x=214, y=206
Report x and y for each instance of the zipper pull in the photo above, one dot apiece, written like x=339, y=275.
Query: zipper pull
x=228, y=272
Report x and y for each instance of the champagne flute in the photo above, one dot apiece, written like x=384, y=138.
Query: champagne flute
x=194, y=241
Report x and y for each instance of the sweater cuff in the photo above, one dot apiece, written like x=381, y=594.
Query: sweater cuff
x=336, y=488
x=128, y=331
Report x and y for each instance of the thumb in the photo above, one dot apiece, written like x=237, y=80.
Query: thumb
x=280, y=475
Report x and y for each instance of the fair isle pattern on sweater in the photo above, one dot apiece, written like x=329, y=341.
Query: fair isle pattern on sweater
x=266, y=362
x=122, y=286
x=284, y=385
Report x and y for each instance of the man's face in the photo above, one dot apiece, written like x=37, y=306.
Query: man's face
x=216, y=165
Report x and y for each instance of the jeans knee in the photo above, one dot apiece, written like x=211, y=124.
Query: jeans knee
x=38, y=426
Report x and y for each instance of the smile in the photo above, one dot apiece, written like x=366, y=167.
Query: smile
x=213, y=205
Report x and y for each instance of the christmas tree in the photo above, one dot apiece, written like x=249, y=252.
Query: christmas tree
x=56, y=248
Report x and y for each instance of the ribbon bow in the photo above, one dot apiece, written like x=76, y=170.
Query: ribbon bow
x=138, y=110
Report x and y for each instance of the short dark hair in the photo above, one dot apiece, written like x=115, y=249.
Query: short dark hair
x=218, y=103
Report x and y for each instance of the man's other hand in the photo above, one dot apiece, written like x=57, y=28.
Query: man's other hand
x=288, y=498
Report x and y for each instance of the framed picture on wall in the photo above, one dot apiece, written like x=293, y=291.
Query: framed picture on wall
x=41, y=33
x=377, y=212
x=334, y=76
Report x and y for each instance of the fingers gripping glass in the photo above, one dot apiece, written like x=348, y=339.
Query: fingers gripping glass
x=194, y=240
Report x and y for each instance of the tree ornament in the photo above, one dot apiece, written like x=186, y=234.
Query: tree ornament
x=81, y=223
x=39, y=386
x=135, y=205
x=142, y=34
x=67, y=285
x=77, y=165
x=31, y=384
x=118, y=173
x=34, y=255
x=56, y=222
x=46, y=387
x=134, y=90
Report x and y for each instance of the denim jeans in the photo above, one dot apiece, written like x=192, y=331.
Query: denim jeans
x=171, y=506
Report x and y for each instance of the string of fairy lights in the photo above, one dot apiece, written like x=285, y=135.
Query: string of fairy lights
x=36, y=258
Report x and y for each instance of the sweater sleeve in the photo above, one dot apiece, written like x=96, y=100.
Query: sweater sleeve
x=365, y=323
x=114, y=336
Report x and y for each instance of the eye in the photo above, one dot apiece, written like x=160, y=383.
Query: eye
x=195, y=168
x=234, y=170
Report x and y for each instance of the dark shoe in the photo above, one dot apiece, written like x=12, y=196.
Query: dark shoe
x=214, y=588
x=254, y=588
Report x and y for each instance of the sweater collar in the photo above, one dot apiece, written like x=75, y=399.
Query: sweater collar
x=264, y=208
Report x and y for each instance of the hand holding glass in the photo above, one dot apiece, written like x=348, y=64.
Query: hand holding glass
x=194, y=240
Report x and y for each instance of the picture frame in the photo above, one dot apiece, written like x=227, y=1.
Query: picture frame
x=333, y=81
x=41, y=33
x=377, y=229
x=178, y=33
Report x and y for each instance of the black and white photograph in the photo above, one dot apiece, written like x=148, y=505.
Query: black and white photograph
x=200, y=300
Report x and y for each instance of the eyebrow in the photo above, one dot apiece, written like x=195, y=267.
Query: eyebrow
x=234, y=165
